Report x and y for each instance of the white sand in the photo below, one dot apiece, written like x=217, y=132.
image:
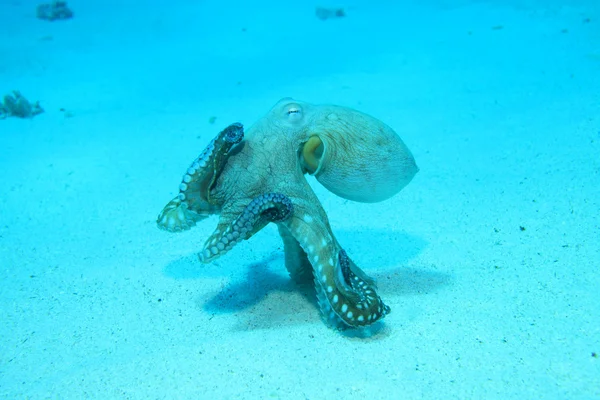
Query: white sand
x=500, y=106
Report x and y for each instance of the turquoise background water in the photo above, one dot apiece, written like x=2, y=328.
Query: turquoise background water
x=489, y=258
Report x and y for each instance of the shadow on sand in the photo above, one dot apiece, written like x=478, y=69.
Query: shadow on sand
x=261, y=290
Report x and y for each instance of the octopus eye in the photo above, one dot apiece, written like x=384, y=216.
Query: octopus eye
x=293, y=112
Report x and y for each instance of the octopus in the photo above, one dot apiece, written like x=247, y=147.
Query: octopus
x=259, y=177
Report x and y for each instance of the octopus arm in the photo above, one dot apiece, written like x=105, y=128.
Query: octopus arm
x=346, y=295
x=193, y=202
x=176, y=217
x=237, y=226
x=296, y=260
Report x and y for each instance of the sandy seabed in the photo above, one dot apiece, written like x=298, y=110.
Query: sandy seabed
x=489, y=259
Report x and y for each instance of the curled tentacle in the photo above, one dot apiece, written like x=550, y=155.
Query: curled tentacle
x=193, y=202
x=175, y=217
x=369, y=307
x=347, y=300
x=194, y=190
x=346, y=295
x=269, y=207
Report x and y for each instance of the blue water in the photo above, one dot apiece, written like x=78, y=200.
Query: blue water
x=488, y=258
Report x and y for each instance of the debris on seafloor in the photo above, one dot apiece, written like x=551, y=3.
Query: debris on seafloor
x=66, y=113
x=328, y=13
x=56, y=10
x=15, y=105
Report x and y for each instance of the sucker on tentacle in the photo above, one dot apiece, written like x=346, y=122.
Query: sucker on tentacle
x=176, y=217
x=193, y=202
x=269, y=207
x=345, y=266
x=194, y=189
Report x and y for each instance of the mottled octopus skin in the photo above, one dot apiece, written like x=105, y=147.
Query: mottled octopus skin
x=260, y=179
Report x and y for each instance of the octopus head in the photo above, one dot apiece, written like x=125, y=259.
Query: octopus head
x=352, y=154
